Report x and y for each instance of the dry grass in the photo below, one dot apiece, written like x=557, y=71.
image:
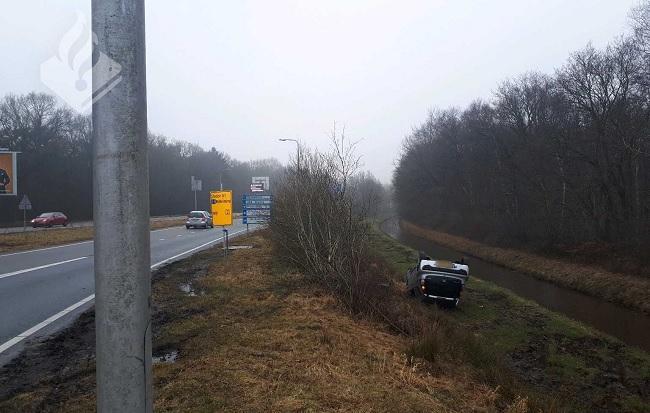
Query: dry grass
x=265, y=342
x=627, y=290
x=22, y=241
x=258, y=338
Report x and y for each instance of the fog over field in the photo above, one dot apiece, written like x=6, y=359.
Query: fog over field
x=239, y=75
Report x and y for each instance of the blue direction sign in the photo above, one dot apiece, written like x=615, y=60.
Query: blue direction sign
x=256, y=209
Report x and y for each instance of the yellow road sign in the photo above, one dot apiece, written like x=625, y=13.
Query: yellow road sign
x=221, y=203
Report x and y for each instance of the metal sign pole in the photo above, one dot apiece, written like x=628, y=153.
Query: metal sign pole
x=225, y=242
x=121, y=210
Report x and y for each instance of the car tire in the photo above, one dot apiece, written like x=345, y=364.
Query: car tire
x=65, y=224
x=187, y=227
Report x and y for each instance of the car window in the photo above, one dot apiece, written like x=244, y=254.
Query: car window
x=46, y=215
x=195, y=215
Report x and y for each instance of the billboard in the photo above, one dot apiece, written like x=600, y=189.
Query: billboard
x=8, y=175
x=221, y=204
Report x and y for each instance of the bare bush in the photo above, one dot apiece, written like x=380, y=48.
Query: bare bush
x=319, y=220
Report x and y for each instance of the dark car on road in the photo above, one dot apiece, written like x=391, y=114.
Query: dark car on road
x=199, y=219
x=437, y=280
x=49, y=219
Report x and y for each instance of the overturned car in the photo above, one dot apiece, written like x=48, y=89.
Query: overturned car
x=437, y=280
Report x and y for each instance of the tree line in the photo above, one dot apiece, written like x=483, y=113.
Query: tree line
x=551, y=159
x=55, y=163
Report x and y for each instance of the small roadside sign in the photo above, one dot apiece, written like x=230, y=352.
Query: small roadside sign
x=264, y=180
x=25, y=204
x=197, y=184
x=221, y=205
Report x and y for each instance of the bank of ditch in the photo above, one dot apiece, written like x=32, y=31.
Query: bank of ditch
x=526, y=350
x=626, y=289
x=249, y=333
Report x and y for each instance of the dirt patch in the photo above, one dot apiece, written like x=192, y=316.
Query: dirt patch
x=601, y=375
x=48, y=374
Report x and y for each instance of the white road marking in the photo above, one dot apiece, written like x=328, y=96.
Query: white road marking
x=158, y=264
x=69, y=245
x=11, y=274
x=20, y=337
x=162, y=239
x=45, y=249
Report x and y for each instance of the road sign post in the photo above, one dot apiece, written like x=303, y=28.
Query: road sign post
x=197, y=185
x=121, y=210
x=25, y=205
x=225, y=242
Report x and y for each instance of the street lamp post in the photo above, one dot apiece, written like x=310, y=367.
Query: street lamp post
x=297, y=148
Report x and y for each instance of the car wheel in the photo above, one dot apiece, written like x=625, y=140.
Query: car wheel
x=187, y=227
x=65, y=224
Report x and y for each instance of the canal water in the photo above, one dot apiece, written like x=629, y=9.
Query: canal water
x=631, y=327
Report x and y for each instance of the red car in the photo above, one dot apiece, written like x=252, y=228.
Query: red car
x=48, y=219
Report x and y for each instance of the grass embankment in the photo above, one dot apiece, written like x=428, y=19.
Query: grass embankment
x=22, y=241
x=559, y=364
x=256, y=336
x=624, y=289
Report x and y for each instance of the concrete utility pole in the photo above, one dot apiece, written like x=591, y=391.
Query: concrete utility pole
x=121, y=211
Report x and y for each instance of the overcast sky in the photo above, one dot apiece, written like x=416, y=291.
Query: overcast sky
x=238, y=75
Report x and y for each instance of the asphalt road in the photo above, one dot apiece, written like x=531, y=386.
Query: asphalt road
x=43, y=290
